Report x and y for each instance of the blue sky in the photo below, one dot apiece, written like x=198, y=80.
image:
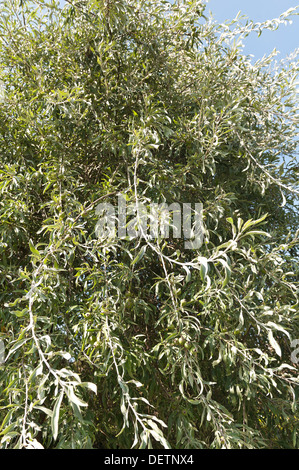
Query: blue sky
x=285, y=39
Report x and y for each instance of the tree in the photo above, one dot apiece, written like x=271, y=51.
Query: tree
x=119, y=342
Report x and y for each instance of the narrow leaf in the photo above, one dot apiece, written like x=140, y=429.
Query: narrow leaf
x=55, y=416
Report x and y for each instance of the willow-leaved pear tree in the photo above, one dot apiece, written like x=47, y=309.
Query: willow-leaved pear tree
x=139, y=341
